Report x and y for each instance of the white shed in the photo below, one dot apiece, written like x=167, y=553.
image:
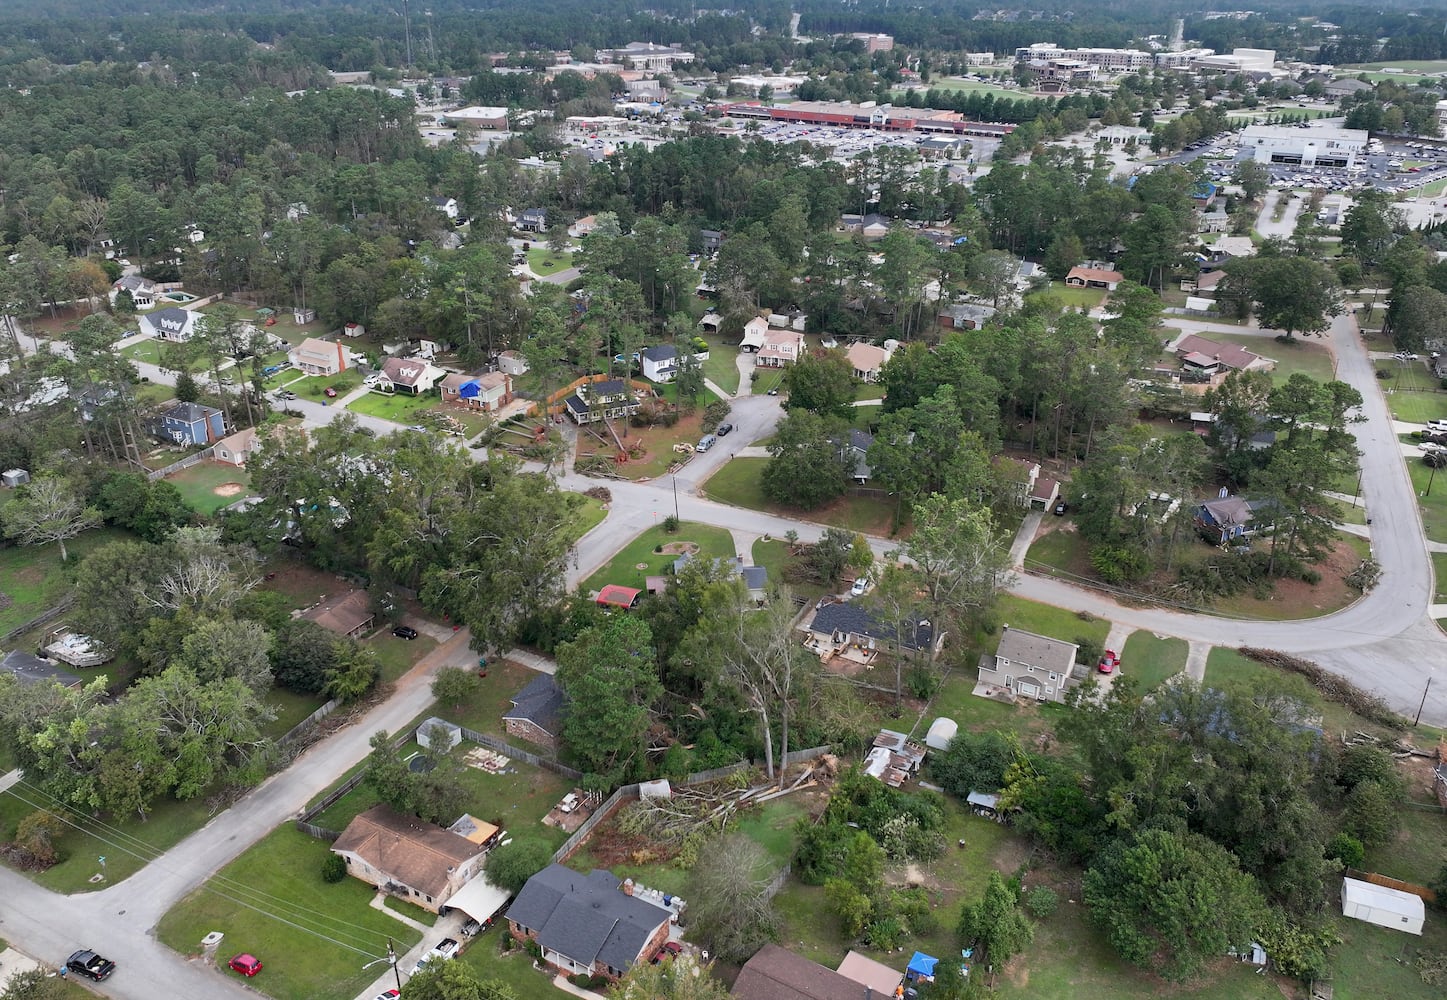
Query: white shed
x=1376, y=904
x=941, y=731
x=439, y=733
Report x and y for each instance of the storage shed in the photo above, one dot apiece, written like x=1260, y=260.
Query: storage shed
x=1376, y=904
x=941, y=731
x=438, y=733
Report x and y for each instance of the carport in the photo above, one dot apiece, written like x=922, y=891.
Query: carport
x=479, y=899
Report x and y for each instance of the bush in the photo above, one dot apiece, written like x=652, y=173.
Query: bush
x=334, y=869
x=1041, y=901
x=1090, y=651
x=1346, y=849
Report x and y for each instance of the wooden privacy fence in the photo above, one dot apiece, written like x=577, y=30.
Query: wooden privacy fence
x=308, y=724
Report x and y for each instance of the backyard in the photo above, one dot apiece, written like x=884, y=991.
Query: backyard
x=208, y=486
x=32, y=577
x=652, y=445
x=641, y=558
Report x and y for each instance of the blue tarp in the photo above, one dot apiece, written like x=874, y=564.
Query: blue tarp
x=921, y=966
x=468, y=390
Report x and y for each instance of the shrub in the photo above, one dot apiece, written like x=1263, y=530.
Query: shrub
x=334, y=868
x=1041, y=901
x=1346, y=849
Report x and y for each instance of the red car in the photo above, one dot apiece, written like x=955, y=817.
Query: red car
x=329, y=392
x=247, y=965
x=1109, y=660
x=672, y=949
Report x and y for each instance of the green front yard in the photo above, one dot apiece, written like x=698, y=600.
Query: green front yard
x=315, y=387
x=1043, y=619
x=1070, y=298
x=1431, y=498
x=313, y=937
x=722, y=368
x=1299, y=354
x=395, y=655
x=543, y=261
x=739, y=483
x=1415, y=407
x=639, y=558
x=399, y=407
x=154, y=352
x=1439, y=571
x=1149, y=659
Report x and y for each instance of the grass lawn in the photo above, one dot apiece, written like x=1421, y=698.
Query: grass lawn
x=1042, y=619
x=1411, y=375
x=868, y=391
x=409, y=910
x=624, y=568
x=774, y=556
x=543, y=262
x=127, y=843
x=1439, y=570
x=1149, y=659
x=34, y=578
x=1433, y=507
x=587, y=514
x=655, y=443
x=738, y=483
x=513, y=967
x=291, y=708
x=397, y=656
x=152, y=351
x=1071, y=298
x=199, y=483
x=955, y=700
x=951, y=83
x=313, y=937
x=400, y=407
x=1060, y=553
x=315, y=386
x=722, y=368
x=293, y=378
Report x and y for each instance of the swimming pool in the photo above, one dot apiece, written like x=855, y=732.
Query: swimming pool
x=178, y=297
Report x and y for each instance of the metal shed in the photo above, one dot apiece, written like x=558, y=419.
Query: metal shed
x=1377, y=904
x=941, y=731
x=439, y=733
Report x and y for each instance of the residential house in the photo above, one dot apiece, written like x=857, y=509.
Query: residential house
x=1017, y=478
x=536, y=713
x=533, y=220
x=755, y=578
x=1093, y=277
x=192, y=423
x=856, y=452
x=236, y=449
x=1206, y=281
x=583, y=226
x=1234, y=246
x=775, y=973
x=1228, y=519
x=710, y=240
x=94, y=396
x=849, y=630
x=315, y=356
x=143, y=290
x=872, y=226
x=410, y=375
x=1214, y=221
x=1044, y=492
x=512, y=363
x=611, y=399
x=348, y=614
x=781, y=348
x=1030, y=666
x=588, y=924
x=447, y=206
x=173, y=324
x=402, y=855
x=964, y=316
x=1202, y=355
x=27, y=668
x=487, y=392
x=868, y=360
x=660, y=363
x=756, y=334
x=893, y=758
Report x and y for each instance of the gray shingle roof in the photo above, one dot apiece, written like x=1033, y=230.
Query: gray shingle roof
x=661, y=352
x=538, y=702
x=1020, y=646
x=850, y=617
x=190, y=413
x=586, y=917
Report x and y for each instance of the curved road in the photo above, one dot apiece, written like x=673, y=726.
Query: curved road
x=1385, y=642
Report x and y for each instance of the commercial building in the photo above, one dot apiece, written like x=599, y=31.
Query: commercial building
x=1307, y=147
x=478, y=117
x=868, y=115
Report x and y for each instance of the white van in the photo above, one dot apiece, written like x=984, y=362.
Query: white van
x=707, y=442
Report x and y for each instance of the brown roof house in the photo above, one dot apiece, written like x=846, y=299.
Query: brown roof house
x=319, y=357
x=1196, y=351
x=1026, y=665
x=412, y=375
x=867, y=360
x=588, y=924
x=405, y=856
x=1093, y=277
x=236, y=449
x=346, y=614
x=775, y=973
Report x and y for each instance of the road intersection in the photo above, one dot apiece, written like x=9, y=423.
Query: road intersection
x=1385, y=642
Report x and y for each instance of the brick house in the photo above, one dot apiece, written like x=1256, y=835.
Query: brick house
x=407, y=857
x=536, y=710
x=588, y=924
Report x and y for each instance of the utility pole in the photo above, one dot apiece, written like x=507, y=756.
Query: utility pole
x=407, y=30
x=392, y=957
x=1423, y=703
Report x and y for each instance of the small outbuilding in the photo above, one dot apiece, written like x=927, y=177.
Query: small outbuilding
x=615, y=596
x=438, y=733
x=1377, y=904
x=941, y=731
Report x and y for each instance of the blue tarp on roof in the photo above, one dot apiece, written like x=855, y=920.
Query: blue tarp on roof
x=921, y=965
x=469, y=390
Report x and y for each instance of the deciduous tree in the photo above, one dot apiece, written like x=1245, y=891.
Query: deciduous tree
x=730, y=907
x=48, y=509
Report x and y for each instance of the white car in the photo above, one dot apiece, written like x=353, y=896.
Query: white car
x=446, y=949
x=1405, y=356
x=860, y=586
x=371, y=380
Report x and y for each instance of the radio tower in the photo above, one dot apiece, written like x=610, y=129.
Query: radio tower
x=407, y=31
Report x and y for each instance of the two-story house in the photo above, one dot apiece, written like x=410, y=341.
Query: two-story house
x=486, y=392
x=781, y=349
x=193, y=424
x=611, y=399
x=1027, y=665
x=173, y=324
x=319, y=357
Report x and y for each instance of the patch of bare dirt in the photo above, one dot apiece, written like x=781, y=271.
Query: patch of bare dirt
x=680, y=548
x=228, y=489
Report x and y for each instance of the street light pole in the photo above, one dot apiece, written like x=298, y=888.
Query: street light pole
x=392, y=957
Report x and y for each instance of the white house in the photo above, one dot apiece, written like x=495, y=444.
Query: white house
x=660, y=363
x=412, y=375
x=756, y=331
x=867, y=360
x=319, y=357
x=447, y=206
x=173, y=324
x=1377, y=904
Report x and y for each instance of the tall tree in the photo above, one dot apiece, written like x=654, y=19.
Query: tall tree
x=48, y=509
x=732, y=911
x=609, y=679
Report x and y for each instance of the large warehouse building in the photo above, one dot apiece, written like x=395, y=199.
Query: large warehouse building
x=884, y=117
x=1307, y=147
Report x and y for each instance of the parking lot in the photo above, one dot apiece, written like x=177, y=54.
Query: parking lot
x=1394, y=167
x=847, y=143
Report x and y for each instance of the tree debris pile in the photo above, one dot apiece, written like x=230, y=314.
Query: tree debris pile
x=1398, y=748
x=1337, y=689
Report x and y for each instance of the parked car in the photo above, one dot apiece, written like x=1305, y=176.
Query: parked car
x=247, y=965
x=446, y=949
x=370, y=379
x=329, y=392
x=286, y=394
x=388, y=995
x=773, y=392
x=724, y=428
x=1060, y=507
x=861, y=585
x=1109, y=660
x=405, y=632
x=1437, y=425
x=470, y=928
x=1405, y=356
x=90, y=965
x=706, y=442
